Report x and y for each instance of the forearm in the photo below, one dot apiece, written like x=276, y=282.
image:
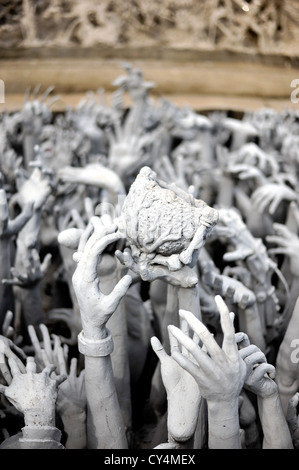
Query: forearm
x=74, y=423
x=189, y=299
x=105, y=427
x=275, y=428
x=252, y=326
x=224, y=428
x=6, y=291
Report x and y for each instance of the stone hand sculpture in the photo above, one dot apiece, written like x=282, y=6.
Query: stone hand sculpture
x=183, y=395
x=105, y=427
x=260, y=380
x=37, y=404
x=219, y=372
x=71, y=397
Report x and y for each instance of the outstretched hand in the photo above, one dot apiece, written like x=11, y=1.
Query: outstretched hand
x=96, y=308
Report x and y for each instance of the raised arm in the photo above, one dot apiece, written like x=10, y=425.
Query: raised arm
x=219, y=373
x=105, y=427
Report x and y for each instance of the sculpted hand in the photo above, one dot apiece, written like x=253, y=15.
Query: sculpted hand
x=34, y=189
x=33, y=394
x=9, y=350
x=260, y=374
x=287, y=244
x=183, y=395
x=270, y=196
x=220, y=374
x=35, y=270
x=231, y=289
x=95, y=307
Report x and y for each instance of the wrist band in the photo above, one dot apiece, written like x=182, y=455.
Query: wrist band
x=95, y=348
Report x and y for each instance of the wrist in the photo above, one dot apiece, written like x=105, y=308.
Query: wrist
x=94, y=333
x=37, y=417
x=224, y=418
x=73, y=412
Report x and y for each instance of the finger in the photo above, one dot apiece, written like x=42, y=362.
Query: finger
x=35, y=342
x=45, y=358
x=274, y=204
x=93, y=250
x=49, y=369
x=204, y=334
x=173, y=342
x=78, y=220
x=46, y=263
x=281, y=230
x=17, y=275
x=73, y=367
x=84, y=237
x=255, y=358
x=238, y=254
x=66, y=352
x=46, y=340
x=158, y=348
x=7, y=320
x=186, y=363
x=185, y=329
x=226, y=319
x=31, y=365
x=242, y=339
x=5, y=370
x=120, y=256
x=202, y=359
x=263, y=369
x=47, y=93
x=59, y=379
x=295, y=211
x=218, y=284
x=119, y=291
x=36, y=91
x=248, y=351
x=62, y=369
x=13, y=367
x=278, y=239
x=88, y=208
x=99, y=226
x=279, y=251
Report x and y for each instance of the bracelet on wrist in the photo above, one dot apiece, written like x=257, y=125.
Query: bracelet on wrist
x=95, y=348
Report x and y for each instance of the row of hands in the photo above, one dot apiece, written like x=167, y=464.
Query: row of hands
x=195, y=367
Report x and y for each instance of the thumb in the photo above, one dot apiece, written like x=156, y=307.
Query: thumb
x=119, y=291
